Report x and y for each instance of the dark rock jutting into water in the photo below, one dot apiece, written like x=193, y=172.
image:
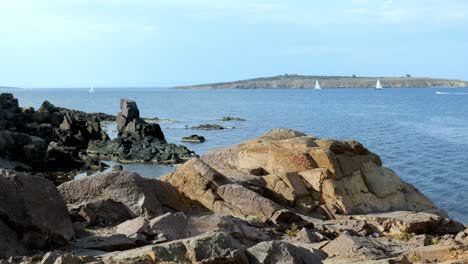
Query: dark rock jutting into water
x=194, y=139
x=138, y=141
x=52, y=140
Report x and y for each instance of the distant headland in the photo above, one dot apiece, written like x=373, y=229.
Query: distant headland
x=294, y=81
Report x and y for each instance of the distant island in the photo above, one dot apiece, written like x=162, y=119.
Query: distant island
x=294, y=81
x=7, y=87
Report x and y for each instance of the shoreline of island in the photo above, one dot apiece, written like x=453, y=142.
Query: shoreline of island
x=293, y=81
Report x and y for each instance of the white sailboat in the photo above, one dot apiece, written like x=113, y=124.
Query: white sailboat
x=317, y=85
x=91, y=90
x=378, y=85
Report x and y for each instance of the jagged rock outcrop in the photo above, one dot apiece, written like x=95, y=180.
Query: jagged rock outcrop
x=308, y=173
x=33, y=215
x=131, y=126
x=49, y=139
x=138, y=141
x=54, y=139
x=201, y=183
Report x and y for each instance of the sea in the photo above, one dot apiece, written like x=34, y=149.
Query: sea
x=421, y=134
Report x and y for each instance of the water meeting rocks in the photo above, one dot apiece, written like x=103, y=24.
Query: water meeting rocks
x=283, y=197
x=138, y=141
x=49, y=139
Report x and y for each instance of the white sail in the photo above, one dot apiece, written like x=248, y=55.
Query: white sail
x=317, y=85
x=91, y=90
x=378, y=85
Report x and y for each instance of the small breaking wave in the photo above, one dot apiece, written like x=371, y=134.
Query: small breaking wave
x=439, y=92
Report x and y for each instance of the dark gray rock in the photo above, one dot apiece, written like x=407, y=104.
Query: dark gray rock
x=150, y=150
x=27, y=136
x=194, y=139
x=138, y=141
x=33, y=208
x=131, y=126
x=208, y=127
x=230, y=118
x=117, y=168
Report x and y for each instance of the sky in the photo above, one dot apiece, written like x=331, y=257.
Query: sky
x=157, y=43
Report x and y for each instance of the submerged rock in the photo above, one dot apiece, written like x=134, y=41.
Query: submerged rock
x=208, y=127
x=230, y=118
x=194, y=139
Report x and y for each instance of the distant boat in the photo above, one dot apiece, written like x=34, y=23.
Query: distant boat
x=91, y=90
x=317, y=85
x=378, y=85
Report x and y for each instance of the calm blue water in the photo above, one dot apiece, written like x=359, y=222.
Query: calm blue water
x=421, y=135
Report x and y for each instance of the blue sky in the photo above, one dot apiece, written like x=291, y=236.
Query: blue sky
x=72, y=43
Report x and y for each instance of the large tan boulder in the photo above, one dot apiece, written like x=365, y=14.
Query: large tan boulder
x=199, y=182
x=141, y=196
x=305, y=172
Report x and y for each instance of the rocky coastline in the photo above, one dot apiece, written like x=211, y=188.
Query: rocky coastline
x=284, y=197
x=54, y=140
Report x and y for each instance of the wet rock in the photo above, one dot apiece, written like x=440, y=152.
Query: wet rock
x=194, y=139
x=208, y=127
x=31, y=207
x=117, y=168
x=283, y=252
x=230, y=118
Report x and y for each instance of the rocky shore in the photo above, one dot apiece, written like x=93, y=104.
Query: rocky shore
x=54, y=140
x=283, y=197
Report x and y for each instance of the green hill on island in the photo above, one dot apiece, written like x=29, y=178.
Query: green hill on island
x=293, y=81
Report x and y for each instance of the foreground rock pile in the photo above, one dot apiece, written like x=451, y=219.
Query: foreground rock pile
x=281, y=198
